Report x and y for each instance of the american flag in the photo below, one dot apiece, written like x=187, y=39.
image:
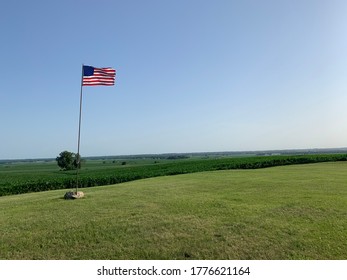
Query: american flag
x=93, y=76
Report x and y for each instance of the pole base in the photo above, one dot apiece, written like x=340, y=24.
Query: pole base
x=73, y=195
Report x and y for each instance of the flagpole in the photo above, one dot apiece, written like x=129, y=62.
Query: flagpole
x=79, y=134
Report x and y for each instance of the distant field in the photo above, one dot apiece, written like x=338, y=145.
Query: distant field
x=288, y=212
x=24, y=177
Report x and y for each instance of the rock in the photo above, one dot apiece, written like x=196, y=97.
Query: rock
x=73, y=195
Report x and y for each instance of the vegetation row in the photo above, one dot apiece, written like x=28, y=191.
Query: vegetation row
x=91, y=178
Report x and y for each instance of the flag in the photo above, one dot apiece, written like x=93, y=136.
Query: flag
x=93, y=76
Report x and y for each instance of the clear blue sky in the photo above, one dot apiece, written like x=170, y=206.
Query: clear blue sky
x=192, y=75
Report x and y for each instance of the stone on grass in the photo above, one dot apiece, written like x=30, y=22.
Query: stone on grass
x=73, y=195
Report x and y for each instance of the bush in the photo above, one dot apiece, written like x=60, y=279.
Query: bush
x=68, y=161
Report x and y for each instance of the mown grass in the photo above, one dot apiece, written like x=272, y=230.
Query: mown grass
x=289, y=212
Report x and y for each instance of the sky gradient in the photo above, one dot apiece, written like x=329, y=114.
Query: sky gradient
x=192, y=76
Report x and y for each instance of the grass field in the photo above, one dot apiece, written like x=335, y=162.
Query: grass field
x=287, y=212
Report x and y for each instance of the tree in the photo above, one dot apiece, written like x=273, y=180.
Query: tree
x=68, y=161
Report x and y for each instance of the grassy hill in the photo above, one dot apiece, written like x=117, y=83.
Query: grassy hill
x=288, y=212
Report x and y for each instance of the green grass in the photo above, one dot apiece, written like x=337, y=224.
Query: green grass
x=288, y=212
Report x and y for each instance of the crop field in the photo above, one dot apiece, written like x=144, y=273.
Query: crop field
x=284, y=212
x=23, y=177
